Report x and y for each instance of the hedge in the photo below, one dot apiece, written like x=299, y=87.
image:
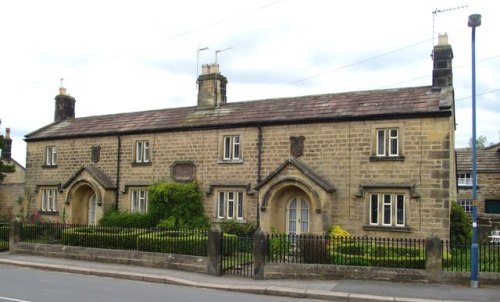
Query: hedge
x=107, y=238
x=175, y=242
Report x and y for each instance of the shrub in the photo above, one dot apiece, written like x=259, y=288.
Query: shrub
x=115, y=218
x=107, y=238
x=460, y=225
x=240, y=229
x=175, y=242
x=182, y=201
x=313, y=249
x=338, y=231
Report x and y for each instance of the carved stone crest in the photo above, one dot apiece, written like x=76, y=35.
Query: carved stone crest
x=96, y=153
x=297, y=145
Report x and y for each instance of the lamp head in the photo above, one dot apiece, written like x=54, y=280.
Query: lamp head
x=474, y=20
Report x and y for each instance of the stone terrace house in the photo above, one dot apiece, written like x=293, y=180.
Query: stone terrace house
x=488, y=185
x=12, y=187
x=377, y=163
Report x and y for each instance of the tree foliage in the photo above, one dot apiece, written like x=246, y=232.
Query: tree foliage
x=460, y=225
x=481, y=142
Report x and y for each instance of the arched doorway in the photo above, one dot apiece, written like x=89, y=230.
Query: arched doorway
x=297, y=212
x=83, y=201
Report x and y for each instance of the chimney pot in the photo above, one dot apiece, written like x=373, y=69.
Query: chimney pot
x=443, y=39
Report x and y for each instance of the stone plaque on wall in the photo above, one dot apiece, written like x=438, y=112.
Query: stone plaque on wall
x=183, y=170
x=96, y=153
x=297, y=145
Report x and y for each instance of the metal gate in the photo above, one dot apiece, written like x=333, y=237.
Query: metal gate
x=237, y=255
x=4, y=236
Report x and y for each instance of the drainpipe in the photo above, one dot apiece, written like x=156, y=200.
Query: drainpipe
x=118, y=162
x=259, y=170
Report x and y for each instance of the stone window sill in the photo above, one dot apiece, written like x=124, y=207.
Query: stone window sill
x=49, y=166
x=404, y=229
x=48, y=213
x=230, y=161
x=140, y=164
x=387, y=158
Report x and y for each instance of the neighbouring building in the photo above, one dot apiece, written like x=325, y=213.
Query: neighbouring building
x=487, y=184
x=377, y=163
x=12, y=187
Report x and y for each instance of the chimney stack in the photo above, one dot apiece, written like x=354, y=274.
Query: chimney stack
x=65, y=106
x=442, y=74
x=7, y=143
x=211, y=87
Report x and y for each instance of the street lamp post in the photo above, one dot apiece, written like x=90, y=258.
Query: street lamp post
x=474, y=21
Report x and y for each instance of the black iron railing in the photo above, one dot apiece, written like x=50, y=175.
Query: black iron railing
x=361, y=251
x=186, y=242
x=4, y=236
x=457, y=256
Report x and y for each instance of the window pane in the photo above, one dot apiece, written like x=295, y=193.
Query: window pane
x=142, y=201
x=393, y=142
x=146, y=151
x=240, y=205
x=221, y=204
x=381, y=142
x=139, y=152
x=400, y=210
x=374, y=209
x=230, y=205
x=134, y=201
x=387, y=209
x=236, y=147
x=304, y=216
x=227, y=147
x=292, y=217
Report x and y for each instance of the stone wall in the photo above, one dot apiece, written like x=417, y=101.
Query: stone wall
x=341, y=153
x=148, y=259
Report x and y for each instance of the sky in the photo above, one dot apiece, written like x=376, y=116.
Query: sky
x=118, y=56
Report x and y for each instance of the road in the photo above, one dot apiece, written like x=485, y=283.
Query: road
x=19, y=284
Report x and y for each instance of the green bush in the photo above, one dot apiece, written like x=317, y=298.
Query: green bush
x=174, y=242
x=313, y=249
x=373, y=254
x=460, y=225
x=182, y=201
x=114, y=218
x=106, y=238
x=240, y=229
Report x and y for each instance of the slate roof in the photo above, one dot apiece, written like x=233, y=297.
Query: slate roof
x=358, y=105
x=487, y=160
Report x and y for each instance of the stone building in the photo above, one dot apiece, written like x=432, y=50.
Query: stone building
x=488, y=185
x=377, y=163
x=12, y=187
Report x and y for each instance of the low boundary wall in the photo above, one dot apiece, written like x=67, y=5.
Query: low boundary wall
x=158, y=260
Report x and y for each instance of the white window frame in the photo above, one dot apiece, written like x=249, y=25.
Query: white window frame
x=139, y=201
x=387, y=209
x=51, y=156
x=49, y=200
x=142, y=152
x=464, y=179
x=466, y=204
x=387, y=142
x=231, y=149
x=230, y=205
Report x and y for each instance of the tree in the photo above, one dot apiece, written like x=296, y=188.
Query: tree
x=481, y=142
x=3, y=167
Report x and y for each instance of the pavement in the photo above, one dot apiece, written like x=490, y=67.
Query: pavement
x=329, y=290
